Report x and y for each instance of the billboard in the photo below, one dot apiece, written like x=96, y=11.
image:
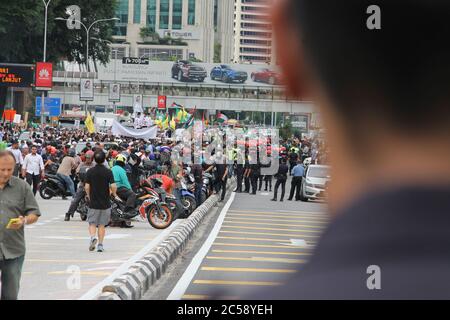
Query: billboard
x=183, y=72
x=162, y=102
x=114, y=92
x=16, y=76
x=44, y=74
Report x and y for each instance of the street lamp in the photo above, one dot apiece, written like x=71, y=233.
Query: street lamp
x=88, y=29
x=46, y=4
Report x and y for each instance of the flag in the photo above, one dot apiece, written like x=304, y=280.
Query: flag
x=172, y=123
x=221, y=117
x=179, y=114
x=189, y=122
x=89, y=123
x=185, y=115
x=165, y=123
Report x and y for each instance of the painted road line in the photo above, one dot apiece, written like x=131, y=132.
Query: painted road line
x=272, y=229
x=318, y=214
x=96, y=290
x=180, y=288
x=281, y=214
x=61, y=261
x=248, y=270
x=254, y=239
x=271, y=234
x=263, y=252
x=258, y=259
x=82, y=273
x=238, y=283
x=232, y=221
x=257, y=245
x=269, y=217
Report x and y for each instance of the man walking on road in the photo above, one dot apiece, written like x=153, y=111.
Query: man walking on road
x=296, y=182
x=17, y=157
x=81, y=193
x=281, y=177
x=16, y=202
x=99, y=186
x=33, y=169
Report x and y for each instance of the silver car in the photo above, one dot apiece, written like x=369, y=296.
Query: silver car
x=315, y=182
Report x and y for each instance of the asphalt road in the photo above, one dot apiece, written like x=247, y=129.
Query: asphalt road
x=247, y=243
x=58, y=264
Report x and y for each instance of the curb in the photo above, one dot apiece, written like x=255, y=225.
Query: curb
x=141, y=275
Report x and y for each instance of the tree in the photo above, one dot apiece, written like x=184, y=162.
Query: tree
x=217, y=52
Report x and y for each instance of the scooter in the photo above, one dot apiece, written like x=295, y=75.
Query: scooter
x=52, y=186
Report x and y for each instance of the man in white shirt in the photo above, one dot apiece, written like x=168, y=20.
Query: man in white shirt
x=17, y=156
x=33, y=168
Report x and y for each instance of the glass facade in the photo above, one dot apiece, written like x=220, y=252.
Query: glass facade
x=177, y=12
x=137, y=11
x=120, y=28
x=151, y=14
x=191, y=12
x=164, y=14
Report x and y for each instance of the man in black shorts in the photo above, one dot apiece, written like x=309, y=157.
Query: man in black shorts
x=99, y=184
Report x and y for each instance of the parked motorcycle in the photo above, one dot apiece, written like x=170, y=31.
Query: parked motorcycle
x=52, y=186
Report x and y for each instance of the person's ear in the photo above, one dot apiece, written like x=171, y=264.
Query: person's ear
x=289, y=51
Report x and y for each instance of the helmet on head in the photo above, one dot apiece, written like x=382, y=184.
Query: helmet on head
x=72, y=152
x=114, y=153
x=121, y=158
x=89, y=154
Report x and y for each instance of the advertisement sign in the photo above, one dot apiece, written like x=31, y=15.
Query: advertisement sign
x=114, y=92
x=17, y=118
x=52, y=107
x=182, y=73
x=162, y=101
x=137, y=103
x=86, y=90
x=16, y=75
x=177, y=34
x=44, y=74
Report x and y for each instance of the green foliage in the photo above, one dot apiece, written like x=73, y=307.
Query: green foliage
x=22, y=31
x=217, y=52
x=147, y=32
x=286, y=130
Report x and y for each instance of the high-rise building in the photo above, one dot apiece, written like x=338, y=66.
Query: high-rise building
x=185, y=29
x=253, y=37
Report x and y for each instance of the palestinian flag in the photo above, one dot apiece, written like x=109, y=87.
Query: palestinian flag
x=221, y=118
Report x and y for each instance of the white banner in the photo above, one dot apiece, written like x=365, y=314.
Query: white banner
x=137, y=104
x=86, y=90
x=114, y=92
x=147, y=133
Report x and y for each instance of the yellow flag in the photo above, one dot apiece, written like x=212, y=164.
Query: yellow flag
x=89, y=123
x=165, y=123
x=172, y=123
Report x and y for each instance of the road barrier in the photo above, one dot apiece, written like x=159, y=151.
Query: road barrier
x=141, y=275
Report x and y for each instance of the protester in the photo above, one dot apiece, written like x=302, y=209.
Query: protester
x=17, y=156
x=124, y=189
x=33, y=169
x=98, y=187
x=16, y=202
x=65, y=170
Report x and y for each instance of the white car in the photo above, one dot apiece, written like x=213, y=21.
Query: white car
x=315, y=183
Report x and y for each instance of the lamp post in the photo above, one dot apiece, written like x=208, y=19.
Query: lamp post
x=88, y=29
x=46, y=4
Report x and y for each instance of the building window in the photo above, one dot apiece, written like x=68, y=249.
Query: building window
x=137, y=11
x=161, y=54
x=120, y=52
x=191, y=12
x=151, y=14
x=177, y=12
x=120, y=29
x=164, y=14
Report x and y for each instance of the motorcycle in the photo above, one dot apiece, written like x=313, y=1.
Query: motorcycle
x=82, y=209
x=148, y=206
x=52, y=186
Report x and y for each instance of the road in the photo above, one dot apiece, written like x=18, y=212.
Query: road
x=252, y=243
x=58, y=264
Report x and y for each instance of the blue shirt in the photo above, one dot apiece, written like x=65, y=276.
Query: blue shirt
x=298, y=170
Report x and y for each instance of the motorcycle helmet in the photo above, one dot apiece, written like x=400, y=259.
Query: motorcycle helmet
x=121, y=158
x=72, y=152
x=114, y=154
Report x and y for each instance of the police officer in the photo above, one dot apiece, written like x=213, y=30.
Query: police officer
x=247, y=172
x=239, y=163
x=255, y=175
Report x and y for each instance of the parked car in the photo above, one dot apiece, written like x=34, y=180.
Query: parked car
x=315, y=182
x=225, y=73
x=185, y=70
x=267, y=76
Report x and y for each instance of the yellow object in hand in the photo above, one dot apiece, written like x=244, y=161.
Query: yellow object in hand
x=12, y=221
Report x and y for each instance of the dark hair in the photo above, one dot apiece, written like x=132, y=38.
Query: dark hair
x=99, y=157
x=396, y=75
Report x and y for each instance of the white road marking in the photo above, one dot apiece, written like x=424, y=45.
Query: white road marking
x=297, y=243
x=185, y=280
x=96, y=290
